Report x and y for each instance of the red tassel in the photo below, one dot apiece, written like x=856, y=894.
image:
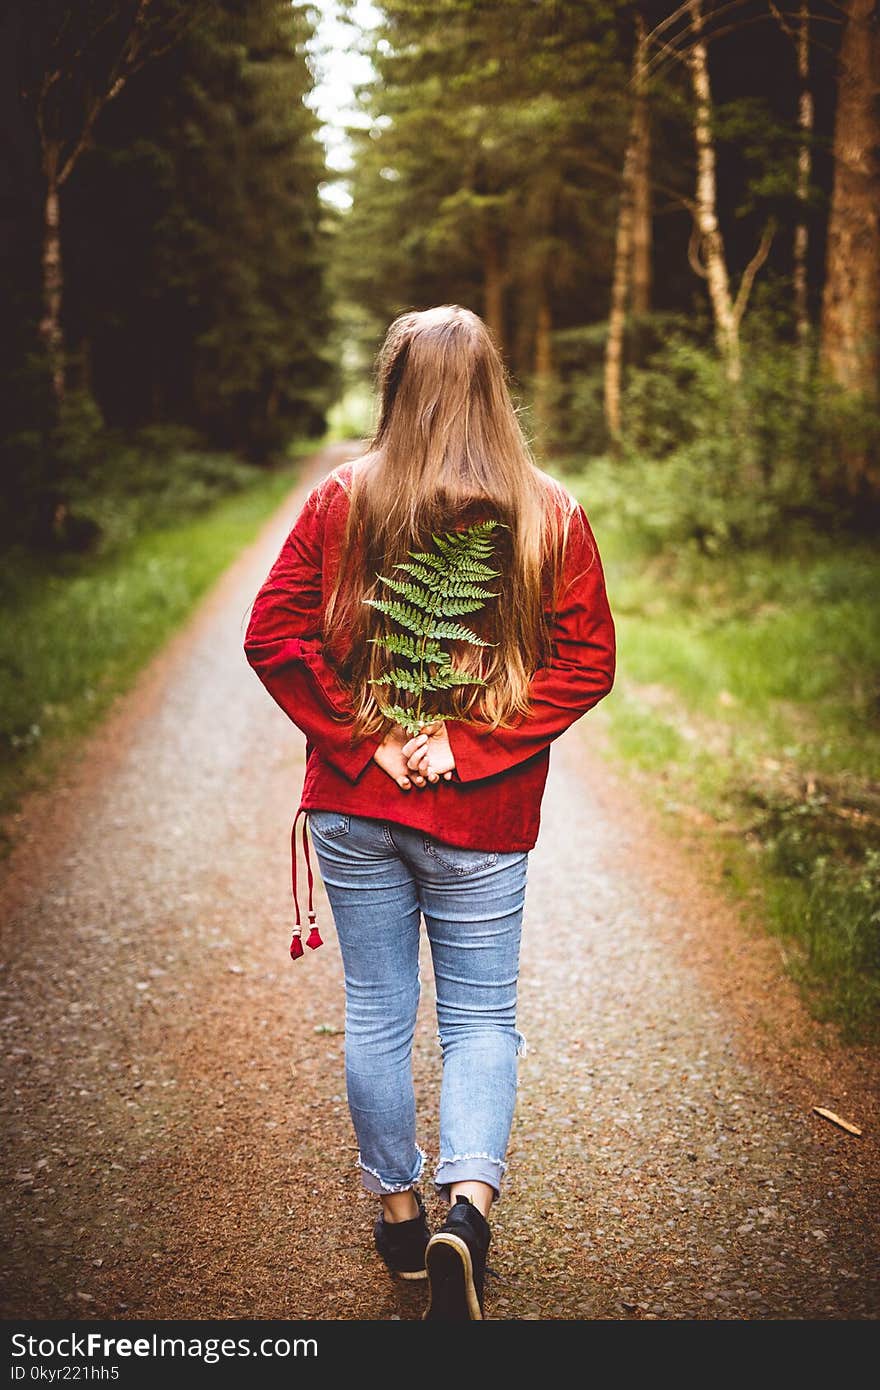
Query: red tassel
x=314, y=938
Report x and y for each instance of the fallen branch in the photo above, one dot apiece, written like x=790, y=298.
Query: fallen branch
x=835, y=1119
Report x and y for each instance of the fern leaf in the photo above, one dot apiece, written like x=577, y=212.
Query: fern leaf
x=453, y=606
x=443, y=678
x=462, y=588
x=413, y=593
x=429, y=592
x=473, y=570
x=400, y=613
x=404, y=717
x=457, y=632
x=448, y=677
x=400, y=645
x=434, y=562
x=423, y=573
x=404, y=680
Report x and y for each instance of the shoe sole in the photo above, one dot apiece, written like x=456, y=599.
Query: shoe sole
x=410, y=1273
x=450, y=1271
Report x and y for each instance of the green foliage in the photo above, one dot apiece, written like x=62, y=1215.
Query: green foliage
x=706, y=466
x=157, y=476
x=821, y=857
x=78, y=627
x=216, y=315
x=193, y=263
x=116, y=484
x=471, y=152
x=748, y=692
x=352, y=416
x=449, y=583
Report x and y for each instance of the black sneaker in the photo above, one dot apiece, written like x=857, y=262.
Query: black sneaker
x=456, y=1263
x=402, y=1244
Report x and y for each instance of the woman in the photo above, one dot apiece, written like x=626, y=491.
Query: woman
x=439, y=825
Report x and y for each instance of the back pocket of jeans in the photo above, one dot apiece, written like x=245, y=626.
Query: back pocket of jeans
x=329, y=824
x=457, y=860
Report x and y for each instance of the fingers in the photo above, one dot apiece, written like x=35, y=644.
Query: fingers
x=413, y=744
x=421, y=769
x=418, y=761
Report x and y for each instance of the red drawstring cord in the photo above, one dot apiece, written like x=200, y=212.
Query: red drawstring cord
x=314, y=938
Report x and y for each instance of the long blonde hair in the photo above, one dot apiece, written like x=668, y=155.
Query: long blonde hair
x=448, y=449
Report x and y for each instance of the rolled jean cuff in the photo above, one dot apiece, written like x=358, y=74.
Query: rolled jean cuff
x=374, y=1182
x=469, y=1168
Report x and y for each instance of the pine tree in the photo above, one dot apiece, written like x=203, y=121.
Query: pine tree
x=470, y=141
x=443, y=585
x=194, y=241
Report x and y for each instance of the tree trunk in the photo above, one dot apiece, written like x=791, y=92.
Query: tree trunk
x=543, y=369
x=493, y=288
x=805, y=159
x=628, y=255
x=53, y=275
x=851, y=300
x=712, y=242
x=619, y=295
x=642, y=234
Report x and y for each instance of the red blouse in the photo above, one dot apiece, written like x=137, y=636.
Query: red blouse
x=493, y=801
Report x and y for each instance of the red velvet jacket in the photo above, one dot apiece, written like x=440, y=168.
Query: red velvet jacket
x=493, y=801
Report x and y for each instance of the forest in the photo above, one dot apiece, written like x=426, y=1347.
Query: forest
x=669, y=217
x=620, y=188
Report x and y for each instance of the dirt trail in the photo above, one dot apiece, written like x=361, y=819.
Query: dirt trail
x=174, y=1094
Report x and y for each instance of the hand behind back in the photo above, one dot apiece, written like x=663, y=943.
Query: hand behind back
x=417, y=761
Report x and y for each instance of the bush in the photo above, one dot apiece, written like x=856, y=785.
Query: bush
x=704, y=463
x=834, y=861
x=82, y=487
x=155, y=477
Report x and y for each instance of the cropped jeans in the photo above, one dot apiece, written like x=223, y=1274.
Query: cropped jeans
x=381, y=878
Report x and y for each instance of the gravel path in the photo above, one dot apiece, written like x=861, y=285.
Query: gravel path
x=173, y=1088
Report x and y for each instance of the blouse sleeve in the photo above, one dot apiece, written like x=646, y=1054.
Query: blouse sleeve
x=283, y=645
x=578, y=675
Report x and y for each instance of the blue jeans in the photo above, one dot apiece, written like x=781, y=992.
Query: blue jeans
x=379, y=877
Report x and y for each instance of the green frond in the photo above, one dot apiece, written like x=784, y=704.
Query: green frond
x=428, y=577
x=463, y=588
x=443, y=678
x=439, y=586
x=400, y=645
x=454, y=606
x=401, y=613
x=434, y=562
x=457, y=632
x=414, y=594
x=447, y=677
x=404, y=680
x=471, y=570
x=401, y=716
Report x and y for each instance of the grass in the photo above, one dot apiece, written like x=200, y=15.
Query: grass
x=748, y=690
x=77, y=630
